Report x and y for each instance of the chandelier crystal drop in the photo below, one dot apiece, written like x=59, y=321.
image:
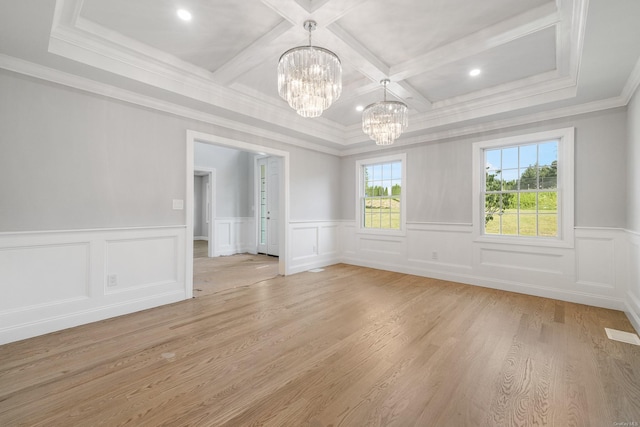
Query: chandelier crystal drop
x=309, y=77
x=385, y=121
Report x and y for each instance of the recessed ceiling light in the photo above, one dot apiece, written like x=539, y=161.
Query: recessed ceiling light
x=359, y=108
x=475, y=72
x=184, y=14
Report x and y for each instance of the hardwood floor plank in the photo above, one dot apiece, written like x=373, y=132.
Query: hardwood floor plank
x=348, y=346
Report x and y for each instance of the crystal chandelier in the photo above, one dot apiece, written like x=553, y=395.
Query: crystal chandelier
x=384, y=121
x=309, y=77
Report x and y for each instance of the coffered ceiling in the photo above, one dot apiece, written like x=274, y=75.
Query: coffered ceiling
x=536, y=57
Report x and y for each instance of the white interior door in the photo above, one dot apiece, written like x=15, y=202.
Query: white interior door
x=261, y=173
x=273, y=203
x=268, y=173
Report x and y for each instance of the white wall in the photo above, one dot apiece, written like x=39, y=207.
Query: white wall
x=633, y=211
x=439, y=241
x=82, y=176
x=84, y=161
x=234, y=179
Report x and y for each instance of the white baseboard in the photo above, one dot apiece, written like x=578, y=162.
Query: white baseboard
x=201, y=238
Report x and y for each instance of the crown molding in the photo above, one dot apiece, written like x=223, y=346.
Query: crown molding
x=41, y=72
x=632, y=83
x=65, y=79
x=574, y=110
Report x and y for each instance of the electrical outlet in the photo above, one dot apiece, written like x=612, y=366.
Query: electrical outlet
x=434, y=255
x=315, y=250
x=113, y=280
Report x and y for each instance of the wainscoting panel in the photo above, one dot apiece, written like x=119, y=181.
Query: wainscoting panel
x=60, y=279
x=64, y=268
x=313, y=244
x=595, y=262
x=304, y=242
x=506, y=258
x=444, y=247
x=234, y=236
x=584, y=274
x=159, y=266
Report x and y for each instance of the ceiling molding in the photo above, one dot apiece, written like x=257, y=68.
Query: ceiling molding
x=91, y=86
x=59, y=77
x=84, y=41
x=632, y=83
x=559, y=113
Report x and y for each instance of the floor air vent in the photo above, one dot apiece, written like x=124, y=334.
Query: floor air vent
x=622, y=336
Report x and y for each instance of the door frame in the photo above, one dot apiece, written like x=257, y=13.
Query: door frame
x=283, y=232
x=212, y=209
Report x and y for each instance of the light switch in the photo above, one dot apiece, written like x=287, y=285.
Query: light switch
x=178, y=205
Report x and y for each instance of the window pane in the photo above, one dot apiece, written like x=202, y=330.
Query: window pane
x=529, y=178
x=386, y=187
x=510, y=224
x=510, y=158
x=528, y=156
x=493, y=225
x=396, y=188
x=492, y=159
x=493, y=180
x=396, y=170
x=395, y=221
x=527, y=203
x=548, y=225
x=509, y=201
x=492, y=207
x=548, y=176
x=548, y=202
x=510, y=179
x=547, y=153
x=528, y=224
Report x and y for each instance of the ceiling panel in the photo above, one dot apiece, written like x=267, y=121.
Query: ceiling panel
x=219, y=29
x=527, y=56
x=399, y=31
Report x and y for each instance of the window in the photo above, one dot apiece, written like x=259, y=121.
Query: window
x=381, y=194
x=524, y=187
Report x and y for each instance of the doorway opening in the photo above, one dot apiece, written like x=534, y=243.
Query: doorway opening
x=204, y=182
x=279, y=202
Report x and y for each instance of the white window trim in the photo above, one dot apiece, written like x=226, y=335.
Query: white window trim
x=402, y=157
x=565, y=188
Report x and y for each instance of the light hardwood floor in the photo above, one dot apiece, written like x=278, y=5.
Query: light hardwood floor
x=211, y=275
x=349, y=346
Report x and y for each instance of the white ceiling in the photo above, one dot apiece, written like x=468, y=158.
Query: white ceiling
x=535, y=55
